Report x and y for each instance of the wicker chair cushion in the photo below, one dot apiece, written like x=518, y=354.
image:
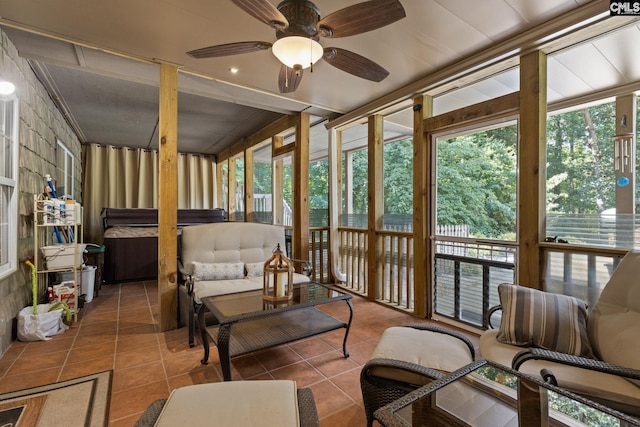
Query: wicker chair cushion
x=425, y=348
x=614, y=320
x=611, y=390
x=542, y=319
x=233, y=403
x=218, y=270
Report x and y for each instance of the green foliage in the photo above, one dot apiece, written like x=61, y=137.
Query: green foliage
x=580, y=172
x=398, y=177
x=262, y=173
x=319, y=185
x=476, y=182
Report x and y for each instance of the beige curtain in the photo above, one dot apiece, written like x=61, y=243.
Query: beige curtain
x=116, y=177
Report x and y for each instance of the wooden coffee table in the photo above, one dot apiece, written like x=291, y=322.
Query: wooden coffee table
x=246, y=323
x=486, y=394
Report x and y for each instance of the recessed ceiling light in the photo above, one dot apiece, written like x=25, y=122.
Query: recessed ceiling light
x=6, y=88
x=233, y=70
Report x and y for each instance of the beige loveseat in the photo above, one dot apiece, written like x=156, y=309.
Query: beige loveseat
x=223, y=258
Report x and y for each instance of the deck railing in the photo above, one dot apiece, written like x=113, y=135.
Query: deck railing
x=466, y=274
x=354, y=246
x=397, y=269
x=466, y=278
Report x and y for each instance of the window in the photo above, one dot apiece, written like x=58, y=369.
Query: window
x=262, y=185
x=581, y=181
x=65, y=168
x=8, y=184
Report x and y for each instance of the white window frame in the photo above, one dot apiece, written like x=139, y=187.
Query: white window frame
x=9, y=266
x=66, y=171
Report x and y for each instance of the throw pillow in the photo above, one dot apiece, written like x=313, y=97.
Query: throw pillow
x=541, y=319
x=254, y=269
x=218, y=270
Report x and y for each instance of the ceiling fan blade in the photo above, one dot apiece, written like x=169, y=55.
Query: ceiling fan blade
x=229, y=49
x=360, y=18
x=263, y=11
x=289, y=79
x=355, y=64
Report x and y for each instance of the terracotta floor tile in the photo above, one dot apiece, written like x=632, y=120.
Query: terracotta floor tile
x=311, y=347
x=135, y=400
x=349, y=382
x=138, y=357
x=332, y=364
x=248, y=366
x=93, y=351
x=86, y=367
x=37, y=362
x=351, y=416
x=302, y=373
x=329, y=398
x=131, y=342
x=94, y=339
x=362, y=351
x=28, y=380
x=98, y=328
x=181, y=365
x=56, y=343
x=5, y=365
x=133, y=377
x=277, y=357
x=15, y=351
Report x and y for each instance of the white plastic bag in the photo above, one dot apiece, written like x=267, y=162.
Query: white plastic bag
x=37, y=327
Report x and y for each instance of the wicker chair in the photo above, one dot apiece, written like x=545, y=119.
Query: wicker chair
x=410, y=356
x=229, y=403
x=611, y=376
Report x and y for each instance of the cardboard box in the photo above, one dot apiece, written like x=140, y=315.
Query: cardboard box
x=62, y=256
x=66, y=292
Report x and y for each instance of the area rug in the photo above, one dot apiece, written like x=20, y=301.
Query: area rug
x=81, y=402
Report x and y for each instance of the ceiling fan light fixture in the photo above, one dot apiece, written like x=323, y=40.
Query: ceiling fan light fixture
x=297, y=52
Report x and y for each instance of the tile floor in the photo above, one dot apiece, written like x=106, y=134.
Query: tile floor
x=118, y=331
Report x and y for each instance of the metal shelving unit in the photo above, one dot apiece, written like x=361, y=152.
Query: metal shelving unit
x=57, y=221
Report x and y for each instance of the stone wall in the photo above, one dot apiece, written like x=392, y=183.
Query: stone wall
x=40, y=124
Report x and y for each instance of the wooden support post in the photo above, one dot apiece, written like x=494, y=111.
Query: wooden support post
x=422, y=108
x=532, y=167
x=167, y=198
x=375, y=197
x=300, y=189
x=335, y=204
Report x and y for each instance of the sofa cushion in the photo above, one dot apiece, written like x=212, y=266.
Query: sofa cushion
x=207, y=288
x=254, y=269
x=232, y=403
x=541, y=319
x=218, y=270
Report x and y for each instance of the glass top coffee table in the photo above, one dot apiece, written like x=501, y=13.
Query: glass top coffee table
x=486, y=394
x=246, y=323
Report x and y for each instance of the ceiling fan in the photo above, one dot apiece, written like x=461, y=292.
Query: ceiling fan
x=299, y=27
